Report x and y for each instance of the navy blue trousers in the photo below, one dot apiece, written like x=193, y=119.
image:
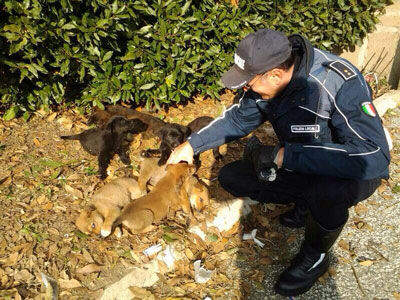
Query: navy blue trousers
x=327, y=198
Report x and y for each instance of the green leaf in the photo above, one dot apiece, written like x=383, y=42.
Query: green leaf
x=127, y=86
x=11, y=113
x=33, y=70
x=108, y=55
x=51, y=163
x=147, y=86
x=26, y=116
x=98, y=103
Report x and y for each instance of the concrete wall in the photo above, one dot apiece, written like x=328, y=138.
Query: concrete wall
x=380, y=52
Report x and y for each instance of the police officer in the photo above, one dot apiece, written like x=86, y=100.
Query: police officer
x=332, y=150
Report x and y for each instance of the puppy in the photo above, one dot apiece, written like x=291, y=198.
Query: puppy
x=101, y=117
x=104, y=143
x=106, y=205
x=166, y=197
x=172, y=135
x=151, y=172
x=197, y=191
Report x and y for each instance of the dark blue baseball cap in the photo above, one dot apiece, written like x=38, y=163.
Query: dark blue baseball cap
x=257, y=53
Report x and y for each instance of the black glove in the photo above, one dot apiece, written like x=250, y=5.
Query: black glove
x=262, y=157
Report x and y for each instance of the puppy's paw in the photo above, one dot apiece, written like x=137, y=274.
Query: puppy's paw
x=118, y=232
x=105, y=232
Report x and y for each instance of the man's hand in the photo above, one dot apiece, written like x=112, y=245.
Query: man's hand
x=263, y=158
x=184, y=152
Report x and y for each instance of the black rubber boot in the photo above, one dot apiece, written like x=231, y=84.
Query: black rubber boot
x=311, y=262
x=294, y=218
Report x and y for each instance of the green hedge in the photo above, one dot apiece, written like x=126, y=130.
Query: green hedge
x=148, y=52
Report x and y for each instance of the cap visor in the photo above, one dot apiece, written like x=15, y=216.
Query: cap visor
x=236, y=78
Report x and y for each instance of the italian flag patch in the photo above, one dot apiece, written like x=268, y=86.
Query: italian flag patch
x=368, y=108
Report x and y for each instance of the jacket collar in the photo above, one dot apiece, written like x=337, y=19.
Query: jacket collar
x=305, y=53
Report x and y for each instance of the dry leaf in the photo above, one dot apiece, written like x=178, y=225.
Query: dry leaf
x=69, y=284
x=264, y=221
x=332, y=272
x=396, y=295
x=42, y=198
x=381, y=189
x=66, y=123
x=74, y=192
x=360, y=209
x=12, y=260
x=89, y=269
x=139, y=292
x=366, y=263
x=52, y=117
x=23, y=275
x=266, y=261
x=87, y=256
x=291, y=238
x=189, y=253
x=344, y=245
x=47, y=206
x=36, y=142
x=17, y=296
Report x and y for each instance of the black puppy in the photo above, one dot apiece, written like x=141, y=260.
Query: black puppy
x=172, y=135
x=104, y=143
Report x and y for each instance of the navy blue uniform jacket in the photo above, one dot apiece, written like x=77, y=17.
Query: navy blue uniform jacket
x=318, y=118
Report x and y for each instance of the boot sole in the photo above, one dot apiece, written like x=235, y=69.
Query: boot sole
x=299, y=291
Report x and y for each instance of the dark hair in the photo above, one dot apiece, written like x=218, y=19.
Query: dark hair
x=287, y=63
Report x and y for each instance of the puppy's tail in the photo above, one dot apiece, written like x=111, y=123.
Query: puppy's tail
x=70, y=137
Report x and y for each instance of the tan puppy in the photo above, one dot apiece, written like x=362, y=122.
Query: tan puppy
x=106, y=205
x=150, y=172
x=199, y=196
x=166, y=197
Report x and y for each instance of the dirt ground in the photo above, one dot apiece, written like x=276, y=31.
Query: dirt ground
x=46, y=181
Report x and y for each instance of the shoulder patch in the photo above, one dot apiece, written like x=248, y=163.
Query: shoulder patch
x=342, y=69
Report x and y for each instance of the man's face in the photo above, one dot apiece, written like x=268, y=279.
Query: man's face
x=269, y=84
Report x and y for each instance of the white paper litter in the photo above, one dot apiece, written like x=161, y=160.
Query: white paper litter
x=168, y=257
x=152, y=250
x=252, y=236
x=201, y=275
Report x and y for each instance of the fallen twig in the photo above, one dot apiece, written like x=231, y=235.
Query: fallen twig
x=358, y=281
x=377, y=251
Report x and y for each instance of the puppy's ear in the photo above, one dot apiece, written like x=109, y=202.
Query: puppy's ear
x=113, y=122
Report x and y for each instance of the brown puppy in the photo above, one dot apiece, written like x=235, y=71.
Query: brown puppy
x=104, y=143
x=199, y=196
x=166, y=197
x=106, y=206
x=151, y=172
x=101, y=117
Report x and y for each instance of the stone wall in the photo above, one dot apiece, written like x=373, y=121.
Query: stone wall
x=380, y=52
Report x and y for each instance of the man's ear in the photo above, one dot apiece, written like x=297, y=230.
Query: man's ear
x=275, y=75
